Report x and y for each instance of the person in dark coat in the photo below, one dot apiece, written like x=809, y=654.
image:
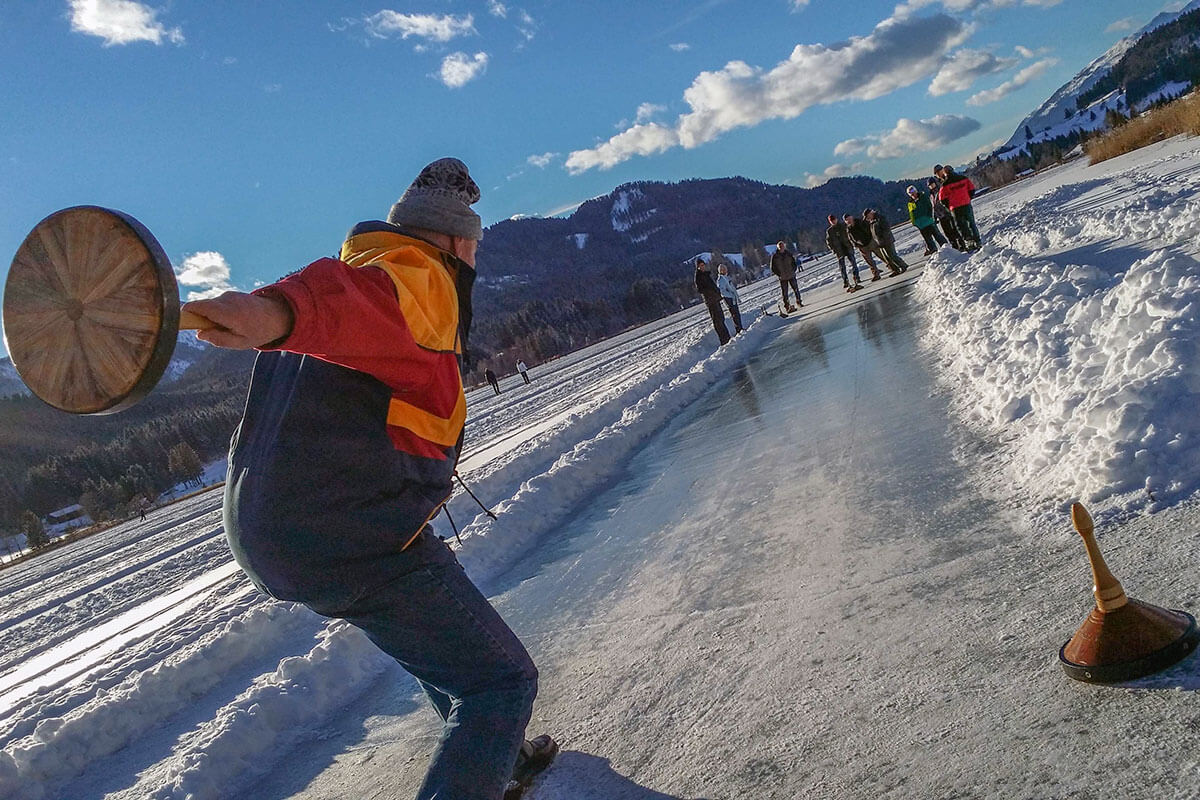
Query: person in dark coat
x=957, y=192
x=837, y=239
x=943, y=215
x=783, y=264
x=920, y=214
x=348, y=446
x=712, y=298
x=881, y=232
x=859, y=231
x=491, y=379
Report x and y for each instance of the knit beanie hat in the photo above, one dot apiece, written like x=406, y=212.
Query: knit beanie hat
x=440, y=200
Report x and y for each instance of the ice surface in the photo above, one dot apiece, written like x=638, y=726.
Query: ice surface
x=803, y=565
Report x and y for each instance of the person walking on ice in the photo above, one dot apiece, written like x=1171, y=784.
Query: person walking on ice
x=859, y=231
x=730, y=296
x=524, y=370
x=885, y=242
x=712, y=298
x=783, y=264
x=347, y=447
x=492, y=380
x=837, y=239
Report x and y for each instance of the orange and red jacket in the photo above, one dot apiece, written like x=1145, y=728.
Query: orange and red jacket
x=353, y=423
x=956, y=191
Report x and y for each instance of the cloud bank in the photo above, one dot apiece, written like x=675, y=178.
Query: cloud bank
x=910, y=136
x=899, y=52
x=121, y=22
x=964, y=67
x=433, y=27
x=1027, y=75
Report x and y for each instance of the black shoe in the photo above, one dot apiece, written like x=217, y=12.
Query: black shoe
x=535, y=755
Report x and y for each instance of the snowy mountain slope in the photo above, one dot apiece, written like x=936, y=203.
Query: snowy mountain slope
x=1050, y=118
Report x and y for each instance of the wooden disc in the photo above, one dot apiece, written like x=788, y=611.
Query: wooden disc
x=91, y=310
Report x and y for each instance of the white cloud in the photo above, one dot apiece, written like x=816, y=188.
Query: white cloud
x=434, y=27
x=208, y=270
x=897, y=53
x=497, y=9
x=1023, y=52
x=459, y=69
x=910, y=136
x=541, y=161
x=121, y=22
x=1027, y=75
x=640, y=140
x=832, y=171
x=647, y=110
x=679, y=47
x=964, y=67
x=1127, y=24
x=797, y=5
x=528, y=26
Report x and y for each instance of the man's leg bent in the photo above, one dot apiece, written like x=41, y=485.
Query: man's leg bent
x=443, y=631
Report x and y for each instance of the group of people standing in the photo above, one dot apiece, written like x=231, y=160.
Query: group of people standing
x=948, y=204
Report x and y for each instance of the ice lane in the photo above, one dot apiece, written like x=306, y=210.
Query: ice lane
x=796, y=591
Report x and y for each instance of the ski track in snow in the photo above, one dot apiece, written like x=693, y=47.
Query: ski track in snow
x=1071, y=337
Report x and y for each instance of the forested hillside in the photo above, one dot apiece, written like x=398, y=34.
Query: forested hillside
x=1170, y=54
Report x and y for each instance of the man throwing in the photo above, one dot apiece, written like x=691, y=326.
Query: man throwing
x=352, y=429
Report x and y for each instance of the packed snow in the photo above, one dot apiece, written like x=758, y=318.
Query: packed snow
x=757, y=570
x=1077, y=329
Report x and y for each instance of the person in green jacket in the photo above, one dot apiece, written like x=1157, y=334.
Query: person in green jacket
x=920, y=213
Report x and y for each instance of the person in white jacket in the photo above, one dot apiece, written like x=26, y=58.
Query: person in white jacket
x=524, y=370
x=730, y=296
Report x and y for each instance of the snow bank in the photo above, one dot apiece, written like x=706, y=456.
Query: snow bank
x=1074, y=335
x=491, y=546
x=62, y=746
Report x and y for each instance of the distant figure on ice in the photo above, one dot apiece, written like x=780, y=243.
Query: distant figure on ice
x=712, y=298
x=881, y=232
x=730, y=296
x=943, y=215
x=920, y=214
x=837, y=239
x=859, y=231
x=491, y=379
x=783, y=264
x=524, y=370
x=348, y=446
x=957, y=192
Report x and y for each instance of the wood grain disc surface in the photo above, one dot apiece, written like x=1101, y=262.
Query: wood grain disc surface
x=91, y=310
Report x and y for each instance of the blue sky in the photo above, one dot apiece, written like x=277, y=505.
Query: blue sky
x=249, y=136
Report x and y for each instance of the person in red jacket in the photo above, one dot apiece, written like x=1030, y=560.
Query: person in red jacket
x=957, y=192
x=347, y=448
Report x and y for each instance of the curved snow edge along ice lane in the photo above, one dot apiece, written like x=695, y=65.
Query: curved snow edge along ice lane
x=1074, y=334
x=492, y=546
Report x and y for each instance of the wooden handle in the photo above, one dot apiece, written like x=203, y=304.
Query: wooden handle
x=194, y=322
x=1107, y=589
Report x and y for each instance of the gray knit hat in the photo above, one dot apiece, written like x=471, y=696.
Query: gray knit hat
x=440, y=200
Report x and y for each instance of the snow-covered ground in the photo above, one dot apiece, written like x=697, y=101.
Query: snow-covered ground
x=827, y=560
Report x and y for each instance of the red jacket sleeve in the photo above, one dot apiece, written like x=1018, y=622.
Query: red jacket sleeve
x=350, y=316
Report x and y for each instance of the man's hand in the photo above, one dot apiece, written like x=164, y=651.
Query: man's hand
x=243, y=321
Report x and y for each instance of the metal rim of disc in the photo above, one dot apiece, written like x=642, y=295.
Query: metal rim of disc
x=151, y=360
x=1138, y=668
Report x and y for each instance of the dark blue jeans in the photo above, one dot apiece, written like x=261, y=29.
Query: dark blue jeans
x=474, y=670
